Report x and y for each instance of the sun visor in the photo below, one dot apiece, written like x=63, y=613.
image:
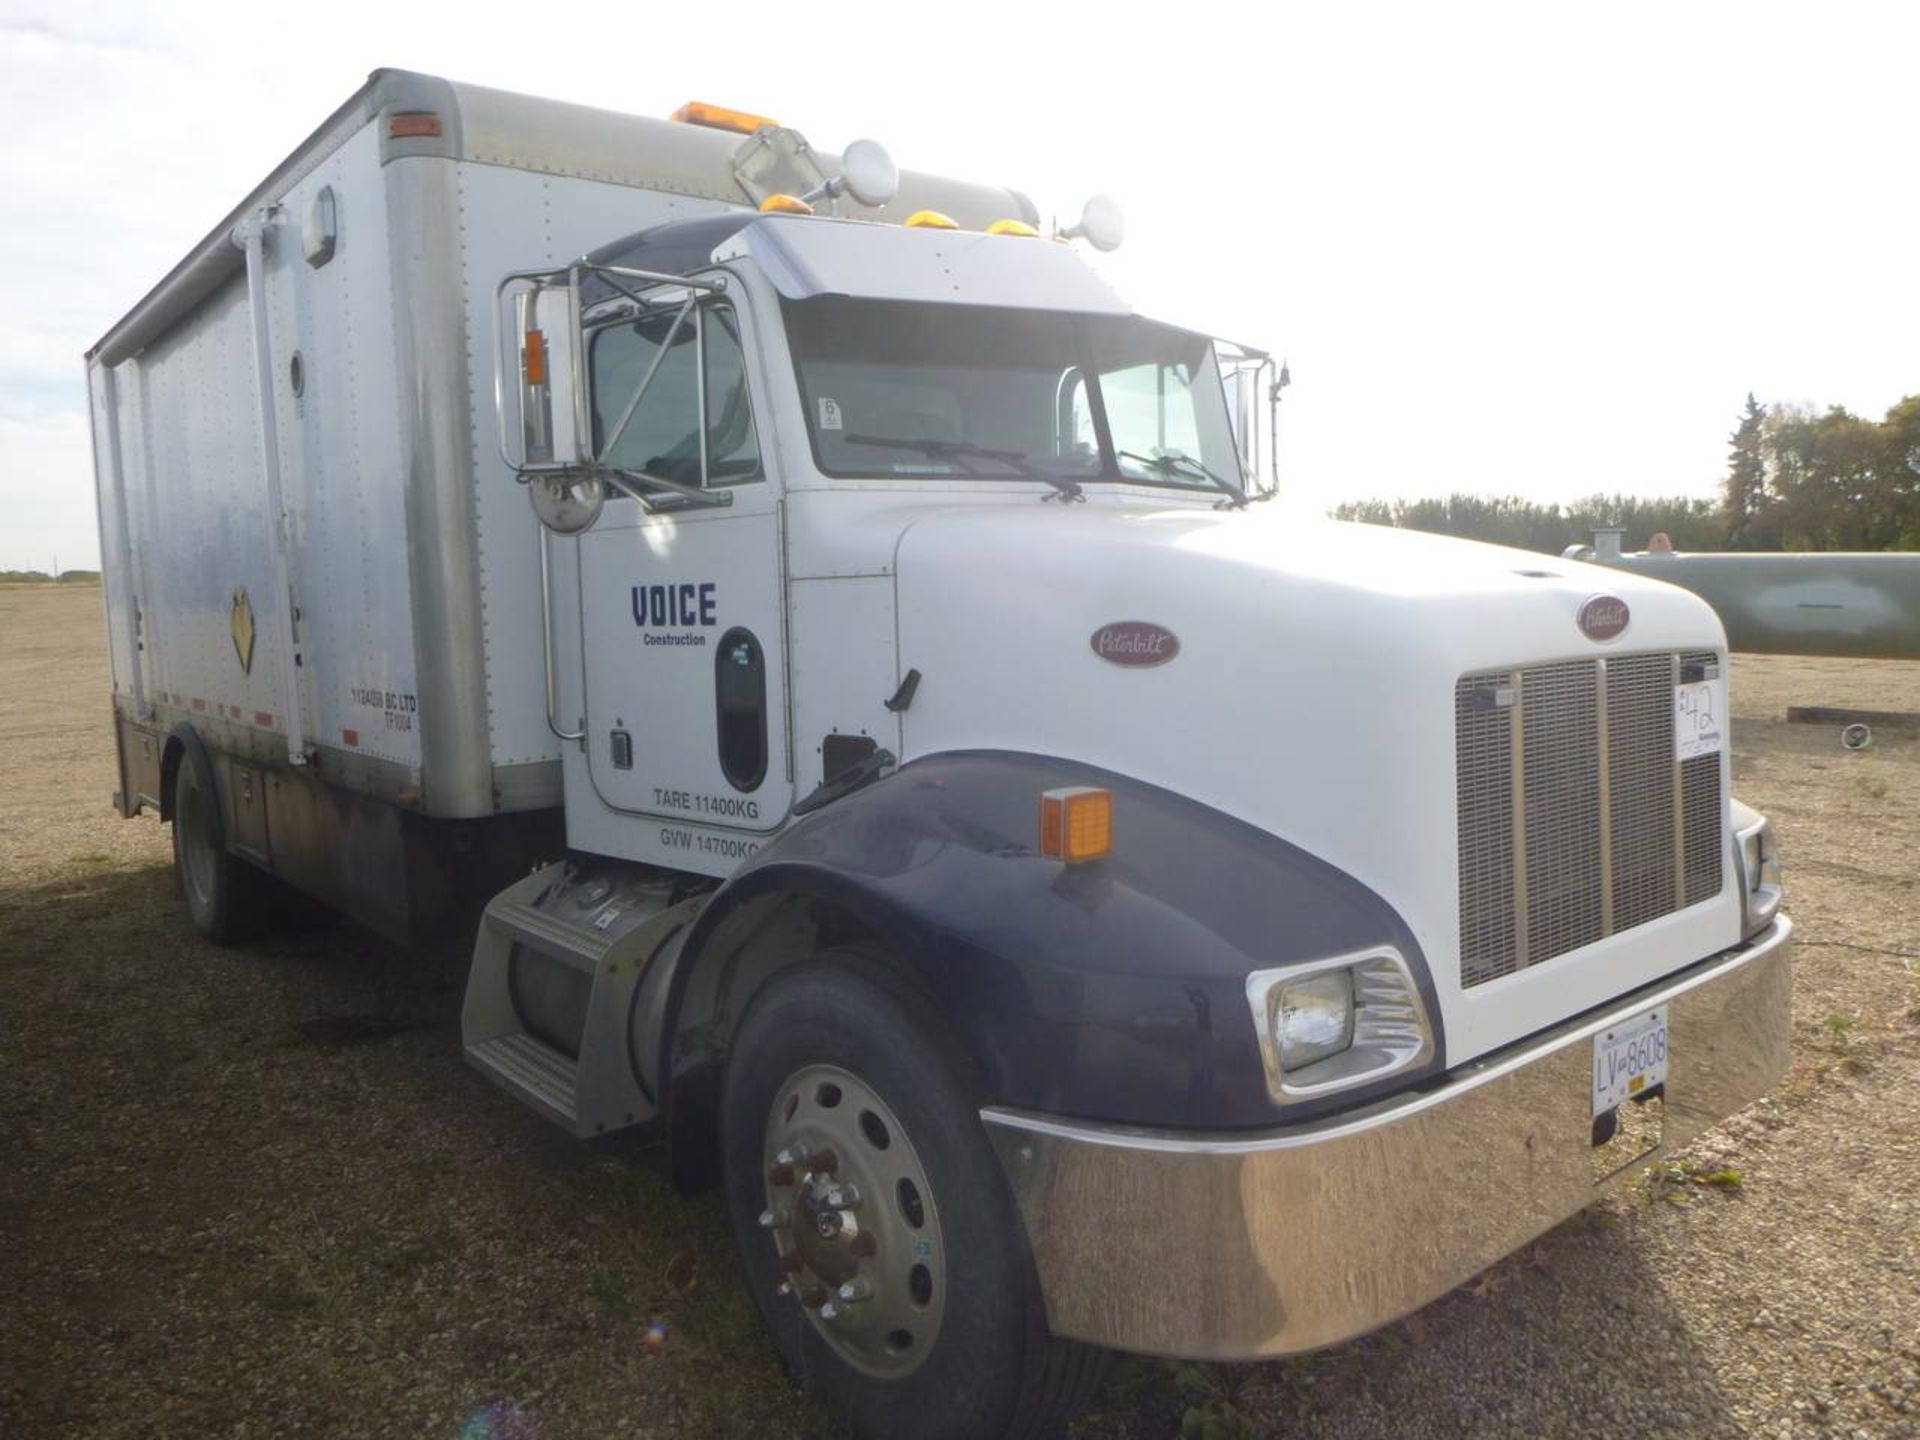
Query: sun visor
x=805, y=256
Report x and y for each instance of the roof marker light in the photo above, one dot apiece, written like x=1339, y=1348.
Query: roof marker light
x=1076, y=823
x=785, y=205
x=930, y=220
x=719, y=117
x=1012, y=227
x=413, y=125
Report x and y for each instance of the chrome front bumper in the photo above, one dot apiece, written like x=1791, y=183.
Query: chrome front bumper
x=1237, y=1246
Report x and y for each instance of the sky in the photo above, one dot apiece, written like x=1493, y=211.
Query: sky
x=1542, y=250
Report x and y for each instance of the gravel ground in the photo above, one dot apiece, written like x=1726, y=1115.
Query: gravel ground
x=256, y=1192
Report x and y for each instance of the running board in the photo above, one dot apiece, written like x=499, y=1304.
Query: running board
x=569, y=967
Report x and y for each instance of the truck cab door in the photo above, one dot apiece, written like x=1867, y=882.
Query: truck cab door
x=682, y=605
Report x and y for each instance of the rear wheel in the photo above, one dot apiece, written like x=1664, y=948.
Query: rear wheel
x=227, y=898
x=875, y=1227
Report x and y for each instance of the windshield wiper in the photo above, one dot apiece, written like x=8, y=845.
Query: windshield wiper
x=962, y=450
x=1166, y=465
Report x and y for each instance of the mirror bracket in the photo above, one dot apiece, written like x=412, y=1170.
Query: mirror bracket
x=556, y=431
x=678, y=494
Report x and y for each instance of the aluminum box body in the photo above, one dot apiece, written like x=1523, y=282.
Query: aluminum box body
x=379, y=607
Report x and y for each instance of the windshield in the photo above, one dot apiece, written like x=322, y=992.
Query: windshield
x=897, y=390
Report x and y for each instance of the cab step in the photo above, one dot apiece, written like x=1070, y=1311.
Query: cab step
x=539, y=1074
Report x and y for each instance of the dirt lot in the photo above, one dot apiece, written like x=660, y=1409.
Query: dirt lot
x=257, y=1193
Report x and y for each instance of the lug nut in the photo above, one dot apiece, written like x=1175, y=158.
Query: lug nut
x=785, y=1287
x=772, y=1219
x=863, y=1245
x=844, y=1197
x=780, y=1175
x=792, y=1263
x=825, y=1163
x=792, y=1155
x=813, y=1296
x=856, y=1290
x=829, y=1311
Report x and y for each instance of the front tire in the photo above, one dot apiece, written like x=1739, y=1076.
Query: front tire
x=874, y=1225
x=227, y=898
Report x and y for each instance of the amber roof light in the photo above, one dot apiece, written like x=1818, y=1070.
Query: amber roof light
x=785, y=205
x=719, y=117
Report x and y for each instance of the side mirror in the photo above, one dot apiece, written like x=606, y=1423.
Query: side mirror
x=1102, y=224
x=543, y=364
x=553, y=426
x=1253, y=389
x=1243, y=393
x=867, y=173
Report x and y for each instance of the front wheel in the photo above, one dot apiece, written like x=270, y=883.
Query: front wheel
x=875, y=1227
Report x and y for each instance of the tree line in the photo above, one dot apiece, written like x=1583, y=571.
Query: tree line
x=1796, y=479
x=41, y=577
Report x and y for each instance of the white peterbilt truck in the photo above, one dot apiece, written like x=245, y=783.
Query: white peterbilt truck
x=836, y=640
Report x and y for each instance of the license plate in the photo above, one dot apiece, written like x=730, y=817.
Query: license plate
x=1629, y=1059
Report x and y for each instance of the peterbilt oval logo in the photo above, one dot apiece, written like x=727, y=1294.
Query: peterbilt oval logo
x=1135, y=642
x=1603, y=617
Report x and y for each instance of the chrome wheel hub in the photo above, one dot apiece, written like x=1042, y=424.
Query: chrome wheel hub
x=853, y=1220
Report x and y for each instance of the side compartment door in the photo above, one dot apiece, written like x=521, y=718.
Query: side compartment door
x=682, y=607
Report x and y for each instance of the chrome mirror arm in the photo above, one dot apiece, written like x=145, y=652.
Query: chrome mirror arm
x=625, y=482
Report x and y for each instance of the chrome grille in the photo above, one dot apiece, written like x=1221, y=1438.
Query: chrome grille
x=1483, y=725
x=1575, y=820
x=1640, y=776
x=1560, y=755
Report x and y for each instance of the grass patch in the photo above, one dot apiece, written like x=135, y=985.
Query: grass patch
x=1677, y=1182
x=1851, y=1054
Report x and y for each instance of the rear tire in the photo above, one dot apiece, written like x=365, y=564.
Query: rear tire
x=227, y=899
x=946, y=1339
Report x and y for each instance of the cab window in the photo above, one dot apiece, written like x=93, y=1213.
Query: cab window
x=663, y=435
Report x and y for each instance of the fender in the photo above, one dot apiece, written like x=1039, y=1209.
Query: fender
x=184, y=745
x=1112, y=990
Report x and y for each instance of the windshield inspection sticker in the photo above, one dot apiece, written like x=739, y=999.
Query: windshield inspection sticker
x=829, y=414
x=1699, y=718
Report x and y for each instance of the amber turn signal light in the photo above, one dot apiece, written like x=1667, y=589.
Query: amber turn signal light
x=1076, y=823
x=536, y=358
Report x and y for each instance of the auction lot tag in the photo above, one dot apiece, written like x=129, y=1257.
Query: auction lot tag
x=1629, y=1059
x=1699, y=718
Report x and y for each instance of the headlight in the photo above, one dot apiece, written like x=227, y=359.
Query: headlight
x=1313, y=1018
x=1757, y=867
x=1332, y=1024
